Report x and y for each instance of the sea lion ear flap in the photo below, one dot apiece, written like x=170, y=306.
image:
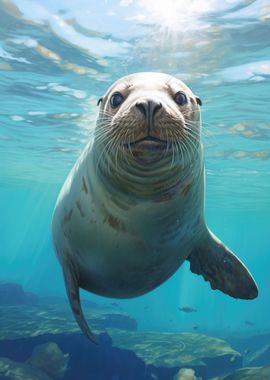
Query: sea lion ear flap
x=198, y=100
x=99, y=101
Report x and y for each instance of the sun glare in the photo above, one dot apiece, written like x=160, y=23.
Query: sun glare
x=175, y=14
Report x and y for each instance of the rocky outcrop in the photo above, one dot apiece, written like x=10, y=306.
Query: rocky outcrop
x=11, y=370
x=259, y=373
x=165, y=353
x=13, y=294
x=260, y=357
x=121, y=353
x=47, y=362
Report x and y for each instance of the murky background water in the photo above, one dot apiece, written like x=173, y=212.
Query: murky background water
x=58, y=57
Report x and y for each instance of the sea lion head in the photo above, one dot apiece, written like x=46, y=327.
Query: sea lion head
x=148, y=119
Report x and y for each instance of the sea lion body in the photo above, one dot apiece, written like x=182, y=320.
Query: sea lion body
x=127, y=217
x=129, y=240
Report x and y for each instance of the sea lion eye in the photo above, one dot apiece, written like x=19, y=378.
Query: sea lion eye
x=116, y=99
x=180, y=98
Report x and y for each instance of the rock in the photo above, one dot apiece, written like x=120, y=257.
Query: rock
x=249, y=343
x=26, y=321
x=13, y=294
x=30, y=298
x=128, y=354
x=50, y=359
x=259, y=373
x=11, y=370
x=260, y=357
x=63, y=300
x=120, y=321
x=186, y=374
x=173, y=351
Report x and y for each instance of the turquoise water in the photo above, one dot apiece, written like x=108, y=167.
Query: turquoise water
x=58, y=58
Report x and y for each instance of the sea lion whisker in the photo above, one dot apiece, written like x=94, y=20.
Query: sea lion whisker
x=125, y=145
x=180, y=151
x=103, y=120
x=173, y=156
x=106, y=147
x=193, y=140
x=204, y=124
x=101, y=154
x=130, y=135
x=186, y=156
x=185, y=149
x=116, y=148
x=192, y=132
x=175, y=144
x=107, y=113
x=192, y=135
x=103, y=126
x=167, y=142
x=101, y=137
x=113, y=147
x=191, y=147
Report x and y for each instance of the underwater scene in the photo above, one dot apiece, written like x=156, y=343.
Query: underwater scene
x=171, y=261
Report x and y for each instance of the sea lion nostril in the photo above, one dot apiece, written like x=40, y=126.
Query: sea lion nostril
x=142, y=106
x=148, y=108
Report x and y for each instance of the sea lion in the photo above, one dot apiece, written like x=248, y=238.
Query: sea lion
x=131, y=211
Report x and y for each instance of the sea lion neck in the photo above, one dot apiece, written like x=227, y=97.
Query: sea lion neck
x=152, y=182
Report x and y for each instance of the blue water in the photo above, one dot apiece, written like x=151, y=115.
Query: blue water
x=58, y=58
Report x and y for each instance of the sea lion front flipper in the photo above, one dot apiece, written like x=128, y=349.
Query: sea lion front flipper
x=218, y=265
x=73, y=292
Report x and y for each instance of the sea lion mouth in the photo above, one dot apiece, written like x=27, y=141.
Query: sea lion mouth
x=150, y=142
x=149, y=149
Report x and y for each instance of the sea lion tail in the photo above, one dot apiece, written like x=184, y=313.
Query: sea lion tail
x=218, y=265
x=73, y=292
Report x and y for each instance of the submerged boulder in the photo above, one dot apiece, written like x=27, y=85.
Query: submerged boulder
x=47, y=362
x=50, y=359
x=186, y=374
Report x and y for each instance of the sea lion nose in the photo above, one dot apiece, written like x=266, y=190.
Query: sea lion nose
x=148, y=108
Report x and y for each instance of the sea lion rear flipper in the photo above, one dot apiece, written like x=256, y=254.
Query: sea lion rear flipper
x=73, y=293
x=218, y=265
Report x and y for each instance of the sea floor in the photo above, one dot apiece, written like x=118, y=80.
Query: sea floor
x=39, y=339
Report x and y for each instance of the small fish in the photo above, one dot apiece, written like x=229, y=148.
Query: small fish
x=146, y=307
x=187, y=309
x=247, y=351
x=115, y=304
x=249, y=323
x=195, y=327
